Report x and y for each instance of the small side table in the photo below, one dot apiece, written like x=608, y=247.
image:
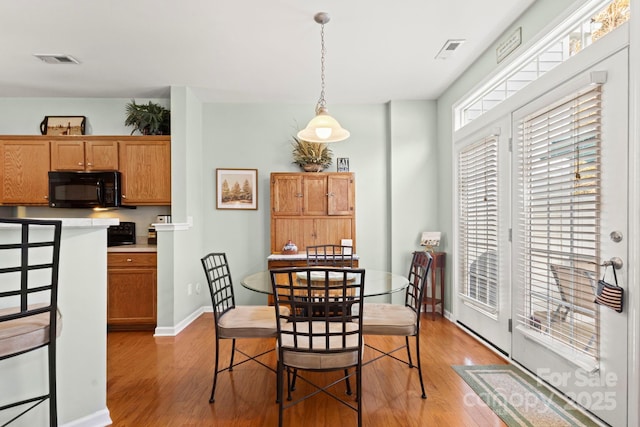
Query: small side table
x=437, y=270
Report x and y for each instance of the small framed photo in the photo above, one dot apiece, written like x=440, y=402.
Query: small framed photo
x=237, y=189
x=343, y=164
x=63, y=125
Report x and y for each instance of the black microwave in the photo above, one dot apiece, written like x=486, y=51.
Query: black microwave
x=85, y=189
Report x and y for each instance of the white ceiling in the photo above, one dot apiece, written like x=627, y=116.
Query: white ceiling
x=244, y=50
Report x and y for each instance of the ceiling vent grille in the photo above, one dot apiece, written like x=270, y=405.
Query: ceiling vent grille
x=57, y=59
x=449, y=47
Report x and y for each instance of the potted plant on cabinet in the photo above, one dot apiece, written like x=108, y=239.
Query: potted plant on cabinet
x=148, y=119
x=311, y=156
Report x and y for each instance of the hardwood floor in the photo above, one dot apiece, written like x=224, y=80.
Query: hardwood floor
x=166, y=381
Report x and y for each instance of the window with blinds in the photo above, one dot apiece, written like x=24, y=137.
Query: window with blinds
x=558, y=224
x=478, y=223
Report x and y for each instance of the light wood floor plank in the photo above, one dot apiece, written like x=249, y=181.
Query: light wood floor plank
x=166, y=381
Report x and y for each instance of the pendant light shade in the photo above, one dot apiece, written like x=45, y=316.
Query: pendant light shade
x=323, y=128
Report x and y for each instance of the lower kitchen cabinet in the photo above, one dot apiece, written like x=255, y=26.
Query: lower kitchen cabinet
x=131, y=291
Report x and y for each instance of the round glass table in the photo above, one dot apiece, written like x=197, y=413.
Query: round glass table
x=376, y=282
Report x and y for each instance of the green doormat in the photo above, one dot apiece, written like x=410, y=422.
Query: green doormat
x=517, y=398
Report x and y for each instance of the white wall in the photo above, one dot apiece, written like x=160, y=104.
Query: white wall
x=390, y=151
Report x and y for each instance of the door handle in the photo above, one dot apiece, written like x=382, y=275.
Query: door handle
x=615, y=262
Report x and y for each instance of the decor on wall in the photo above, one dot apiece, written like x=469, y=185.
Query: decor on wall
x=343, y=164
x=237, y=189
x=63, y=125
x=323, y=127
x=148, y=119
x=311, y=156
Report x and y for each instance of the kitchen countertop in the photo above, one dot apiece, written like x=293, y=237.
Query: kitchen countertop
x=133, y=248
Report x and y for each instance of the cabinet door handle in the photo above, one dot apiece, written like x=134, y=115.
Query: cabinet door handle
x=80, y=163
x=129, y=260
x=89, y=164
x=330, y=194
x=298, y=194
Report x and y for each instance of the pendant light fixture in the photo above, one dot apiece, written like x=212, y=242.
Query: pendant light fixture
x=323, y=127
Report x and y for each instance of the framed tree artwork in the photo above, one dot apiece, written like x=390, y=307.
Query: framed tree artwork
x=237, y=189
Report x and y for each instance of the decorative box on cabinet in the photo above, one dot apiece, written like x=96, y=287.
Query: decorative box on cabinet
x=312, y=208
x=131, y=291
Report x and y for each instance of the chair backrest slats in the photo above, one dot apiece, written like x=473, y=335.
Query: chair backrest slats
x=216, y=269
x=330, y=255
x=29, y=267
x=321, y=303
x=418, y=272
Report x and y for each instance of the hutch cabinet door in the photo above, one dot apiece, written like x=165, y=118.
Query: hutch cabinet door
x=314, y=194
x=340, y=194
x=286, y=194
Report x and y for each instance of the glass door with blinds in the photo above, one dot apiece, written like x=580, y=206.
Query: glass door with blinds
x=482, y=246
x=569, y=192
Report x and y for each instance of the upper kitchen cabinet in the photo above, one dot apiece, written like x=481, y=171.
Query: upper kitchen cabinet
x=82, y=155
x=312, y=194
x=145, y=163
x=24, y=172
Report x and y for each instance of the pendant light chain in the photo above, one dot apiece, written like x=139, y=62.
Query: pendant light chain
x=321, y=101
x=322, y=128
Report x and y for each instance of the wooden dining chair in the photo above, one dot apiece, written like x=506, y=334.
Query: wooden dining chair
x=234, y=321
x=307, y=341
x=29, y=317
x=401, y=320
x=330, y=255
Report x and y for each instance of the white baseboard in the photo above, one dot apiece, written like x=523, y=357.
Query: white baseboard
x=172, y=331
x=97, y=419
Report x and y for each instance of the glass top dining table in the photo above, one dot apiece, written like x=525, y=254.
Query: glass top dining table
x=376, y=282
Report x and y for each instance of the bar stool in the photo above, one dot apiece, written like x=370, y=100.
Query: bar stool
x=29, y=316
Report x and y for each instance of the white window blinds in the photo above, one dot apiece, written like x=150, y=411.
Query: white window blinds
x=558, y=224
x=478, y=222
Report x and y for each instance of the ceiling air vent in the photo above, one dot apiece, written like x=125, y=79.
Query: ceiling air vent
x=57, y=59
x=449, y=47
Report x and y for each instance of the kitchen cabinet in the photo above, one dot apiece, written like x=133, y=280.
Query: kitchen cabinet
x=131, y=290
x=312, y=208
x=82, y=155
x=24, y=170
x=312, y=194
x=145, y=164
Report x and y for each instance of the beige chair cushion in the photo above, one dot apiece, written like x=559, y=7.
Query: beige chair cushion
x=249, y=321
x=388, y=319
x=26, y=333
x=320, y=360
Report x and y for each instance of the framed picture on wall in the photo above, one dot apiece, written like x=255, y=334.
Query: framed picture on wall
x=237, y=189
